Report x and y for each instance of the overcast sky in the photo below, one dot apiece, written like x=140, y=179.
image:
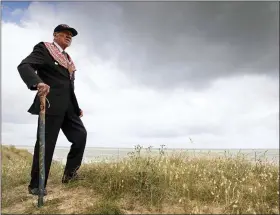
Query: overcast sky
x=154, y=73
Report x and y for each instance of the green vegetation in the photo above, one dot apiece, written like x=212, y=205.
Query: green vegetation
x=176, y=183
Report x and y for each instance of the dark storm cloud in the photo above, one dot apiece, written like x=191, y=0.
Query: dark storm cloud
x=168, y=44
x=192, y=43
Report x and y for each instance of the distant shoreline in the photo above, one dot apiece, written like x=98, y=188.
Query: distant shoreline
x=98, y=154
x=153, y=148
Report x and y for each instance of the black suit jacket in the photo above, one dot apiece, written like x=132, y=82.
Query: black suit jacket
x=40, y=67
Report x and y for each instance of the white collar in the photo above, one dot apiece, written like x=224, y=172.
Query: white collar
x=58, y=46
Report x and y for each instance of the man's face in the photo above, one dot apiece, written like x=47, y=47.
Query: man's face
x=63, y=38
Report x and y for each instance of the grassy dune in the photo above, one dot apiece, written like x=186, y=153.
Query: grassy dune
x=176, y=183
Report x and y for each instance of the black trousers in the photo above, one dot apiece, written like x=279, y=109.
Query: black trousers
x=75, y=132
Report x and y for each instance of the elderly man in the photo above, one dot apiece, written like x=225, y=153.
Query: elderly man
x=51, y=71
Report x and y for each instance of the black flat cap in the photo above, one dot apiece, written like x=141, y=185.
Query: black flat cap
x=63, y=27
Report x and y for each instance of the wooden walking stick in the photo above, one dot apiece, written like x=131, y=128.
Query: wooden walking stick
x=42, y=150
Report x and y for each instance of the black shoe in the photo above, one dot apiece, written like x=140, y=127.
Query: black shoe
x=66, y=179
x=35, y=191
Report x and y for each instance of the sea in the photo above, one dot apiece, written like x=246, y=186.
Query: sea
x=106, y=154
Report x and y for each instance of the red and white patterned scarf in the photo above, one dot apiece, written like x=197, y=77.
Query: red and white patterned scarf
x=61, y=58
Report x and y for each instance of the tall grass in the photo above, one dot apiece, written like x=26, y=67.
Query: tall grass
x=195, y=184
x=15, y=167
x=233, y=183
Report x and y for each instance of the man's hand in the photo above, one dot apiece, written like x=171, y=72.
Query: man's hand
x=81, y=113
x=43, y=89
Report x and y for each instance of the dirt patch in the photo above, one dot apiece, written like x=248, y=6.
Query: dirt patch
x=60, y=199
